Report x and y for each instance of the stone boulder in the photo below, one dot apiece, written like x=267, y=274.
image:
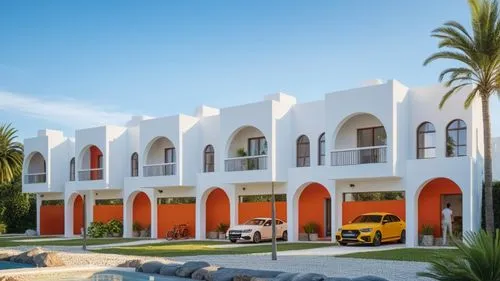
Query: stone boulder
x=369, y=278
x=309, y=277
x=203, y=273
x=10, y=278
x=286, y=276
x=30, y=232
x=338, y=279
x=228, y=274
x=47, y=259
x=27, y=257
x=189, y=267
x=169, y=269
x=131, y=263
x=150, y=267
x=5, y=257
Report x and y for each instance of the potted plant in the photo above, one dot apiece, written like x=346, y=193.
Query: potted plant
x=427, y=235
x=146, y=232
x=115, y=228
x=136, y=228
x=241, y=152
x=222, y=229
x=214, y=234
x=311, y=229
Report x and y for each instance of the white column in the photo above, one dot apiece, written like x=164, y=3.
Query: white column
x=411, y=220
x=291, y=214
x=127, y=216
x=89, y=206
x=233, y=205
x=154, y=214
x=200, y=217
x=68, y=216
x=38, y=205
x=334, y=206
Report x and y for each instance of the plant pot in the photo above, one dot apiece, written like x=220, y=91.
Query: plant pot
x=212, y=235
x=143, y=233
x=303, y=237
x=313, y=236
x=116, y=234
x=427, y=240
x=136, y=234
x=222, y=235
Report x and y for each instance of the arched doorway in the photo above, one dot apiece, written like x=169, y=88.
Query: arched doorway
x=217, y=209
x=433, y=197
x=315, y=207
x=78, y=215
x=141, y=211
x=160, y=158
x=35, y=167
x=91, y=164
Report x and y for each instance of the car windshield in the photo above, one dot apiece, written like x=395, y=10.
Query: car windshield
x=255, y=222
x=367, y=219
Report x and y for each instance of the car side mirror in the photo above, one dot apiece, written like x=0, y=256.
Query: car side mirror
x=385, y=221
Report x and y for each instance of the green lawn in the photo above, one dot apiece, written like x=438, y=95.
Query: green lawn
x=11, y=242
x=195, y=248
x=409, y=254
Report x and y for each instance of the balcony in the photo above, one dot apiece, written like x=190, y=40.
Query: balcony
x=246, y=163
x=91, y=174
x=157, y=170
x=35, y=178
x=360, y=155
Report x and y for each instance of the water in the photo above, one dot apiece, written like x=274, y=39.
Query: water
x=11, y=265
x=112, y=275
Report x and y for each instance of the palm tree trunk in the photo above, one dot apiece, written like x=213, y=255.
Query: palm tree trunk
x=488, y=178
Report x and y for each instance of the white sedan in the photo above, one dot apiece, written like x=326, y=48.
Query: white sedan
x=256, y=230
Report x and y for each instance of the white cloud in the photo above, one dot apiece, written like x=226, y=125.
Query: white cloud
x=69, y=112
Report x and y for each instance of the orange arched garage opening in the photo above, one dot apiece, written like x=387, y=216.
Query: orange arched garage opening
x=141, y=213
x=217, y=209
x=78, y=215
x=315, y=207
x=432, y=200
x=52, y=217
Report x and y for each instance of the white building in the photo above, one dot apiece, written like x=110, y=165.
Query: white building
x=381, y=147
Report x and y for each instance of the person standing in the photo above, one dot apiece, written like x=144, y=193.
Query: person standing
x=447, y=219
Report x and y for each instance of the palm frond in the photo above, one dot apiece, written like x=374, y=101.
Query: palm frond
x=11, y=154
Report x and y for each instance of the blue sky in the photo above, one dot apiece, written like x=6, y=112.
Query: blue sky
x=74, y=64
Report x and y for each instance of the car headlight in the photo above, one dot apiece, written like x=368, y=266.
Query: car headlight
x=366, y=229
x=246, y=231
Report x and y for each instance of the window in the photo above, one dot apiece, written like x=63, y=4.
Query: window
x=374, y=136
x=208, y=159
x=134, y=165
x=170, y=155
x=456, y=139
x=426, y=141
x=257, y=146
x=303, y=158
x=394, y=218
x=72, y=169
x=321, y=150
x=99, y=161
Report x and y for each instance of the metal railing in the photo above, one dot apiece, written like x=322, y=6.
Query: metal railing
x=35, y=178
x=247, y=163
x=156, y=170
x=359, y=155
x=90, y=174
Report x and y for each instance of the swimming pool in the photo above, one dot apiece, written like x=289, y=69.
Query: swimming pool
x=12, y=265
x=110, y=275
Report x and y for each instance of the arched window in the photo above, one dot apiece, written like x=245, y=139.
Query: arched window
x=72, y=169
x=426, y=141
x=456, y=138
x=208, y=159
x=321, y=150
x=303, y=152
x=134, y=165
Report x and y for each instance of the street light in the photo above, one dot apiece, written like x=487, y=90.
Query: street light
x=84, y=224
x=273, y=223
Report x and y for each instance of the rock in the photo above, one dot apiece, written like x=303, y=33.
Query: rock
x=227, y=274
x=309, y=277
x=169, y=269
x=151, y=267
x=10, y=278
x=27, y=257
x=338, y=279
x=30, y=232
x=189, y=267
x=369, y=278
x=5, y=257
x=131, y=263
x=202, y=273
x=47, y=259
x=286, y=276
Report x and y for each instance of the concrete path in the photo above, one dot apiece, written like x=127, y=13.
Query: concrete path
x=339, y=250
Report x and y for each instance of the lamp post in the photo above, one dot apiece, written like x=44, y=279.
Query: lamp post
x=273, y=224
x=84, y=224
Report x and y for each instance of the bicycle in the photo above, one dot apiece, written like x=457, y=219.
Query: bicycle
x=178, y=231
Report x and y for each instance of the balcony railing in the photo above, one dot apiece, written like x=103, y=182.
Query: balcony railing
x=91, y=174
x=156, y=170
x=35, y=178
x=247, y=163
x=360, y=155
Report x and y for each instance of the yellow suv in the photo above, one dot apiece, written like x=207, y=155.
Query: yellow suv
x=372, y=228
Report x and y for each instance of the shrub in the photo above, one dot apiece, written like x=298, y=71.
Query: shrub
x=136, y=227
x=478, y=259
x=427, y=229
x=3, y=228
x=241, y=152
x=115, y=226
x=311, y=227
x=222, y=227
x=98, y=229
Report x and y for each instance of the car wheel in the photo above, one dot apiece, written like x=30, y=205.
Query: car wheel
x=256, y=237
x=402, y=239
x=284, y=237
x=233, y=240
x=377, y=239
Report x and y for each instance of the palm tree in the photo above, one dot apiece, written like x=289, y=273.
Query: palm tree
x=478, y=54
x=11, y=154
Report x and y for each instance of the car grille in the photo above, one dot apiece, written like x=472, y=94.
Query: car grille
x=350, y=234
x=234, y=234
